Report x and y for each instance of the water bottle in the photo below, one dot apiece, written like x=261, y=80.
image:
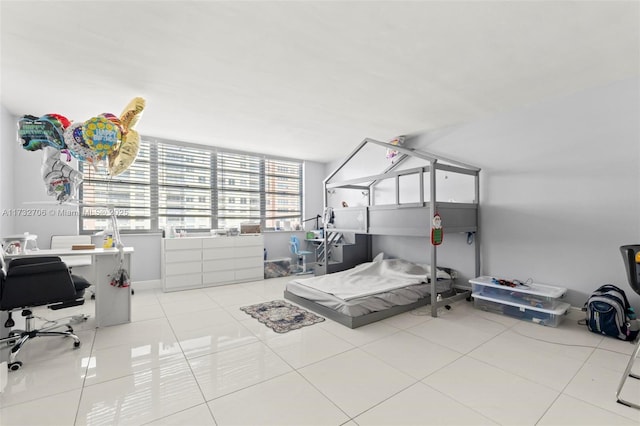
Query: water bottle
x=107, y=240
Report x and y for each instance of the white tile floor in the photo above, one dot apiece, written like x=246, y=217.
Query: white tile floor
x=193, y=358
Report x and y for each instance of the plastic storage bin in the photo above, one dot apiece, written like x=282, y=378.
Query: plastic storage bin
x=531, y=295
x=548, y=317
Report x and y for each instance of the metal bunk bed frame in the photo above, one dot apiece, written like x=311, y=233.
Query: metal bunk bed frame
x=400, y=219
x=457, y=217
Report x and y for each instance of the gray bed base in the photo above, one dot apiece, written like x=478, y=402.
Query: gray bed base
x=359, y=321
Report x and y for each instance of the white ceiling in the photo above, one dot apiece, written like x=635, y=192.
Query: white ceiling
x=307, y=79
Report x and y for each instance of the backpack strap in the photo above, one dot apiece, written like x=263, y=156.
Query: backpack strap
x=608, y=287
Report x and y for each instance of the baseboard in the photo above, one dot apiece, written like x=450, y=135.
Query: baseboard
x=147, y=285
x=575, y=313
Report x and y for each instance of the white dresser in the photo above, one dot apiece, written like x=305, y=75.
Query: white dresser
x=196, y=262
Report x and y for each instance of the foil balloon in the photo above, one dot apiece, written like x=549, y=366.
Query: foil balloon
x=34, y=133
x=60, y=179
x=64, y=121
x=101, y=135
x=115, y=120
x=76, y=145
x=121, y=160
x=392, y=153
x=131, y=113
x=126, y=152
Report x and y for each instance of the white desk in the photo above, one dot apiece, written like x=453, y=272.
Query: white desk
x=113, y=304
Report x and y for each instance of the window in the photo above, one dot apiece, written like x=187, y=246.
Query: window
x=183, y=187
x=193, y=187
x=129, y=193
x=239, y=176
x=283, y=187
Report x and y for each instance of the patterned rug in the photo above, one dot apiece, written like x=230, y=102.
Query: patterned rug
x=281, y=316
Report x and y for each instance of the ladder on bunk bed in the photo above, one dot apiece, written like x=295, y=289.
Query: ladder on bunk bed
x=326, y=245
x=324, y=250
x=340, y=251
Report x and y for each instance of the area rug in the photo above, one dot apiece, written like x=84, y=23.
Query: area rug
x=281, y=316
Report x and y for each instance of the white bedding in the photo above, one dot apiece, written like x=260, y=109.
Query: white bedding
x=371, y=278
x=385, y=295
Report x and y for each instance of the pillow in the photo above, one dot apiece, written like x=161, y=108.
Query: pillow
x=379, y=257
x=441, y=274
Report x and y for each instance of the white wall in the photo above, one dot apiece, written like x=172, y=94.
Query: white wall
x=8, y=142
x=559, y=187
x=314, y=173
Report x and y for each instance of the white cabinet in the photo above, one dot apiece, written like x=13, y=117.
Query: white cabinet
x=196, y=262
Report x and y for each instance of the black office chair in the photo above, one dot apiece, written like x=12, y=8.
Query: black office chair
x=632, y=266
x=37, y=281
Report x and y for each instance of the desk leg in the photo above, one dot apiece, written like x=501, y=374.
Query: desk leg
x=113, y=304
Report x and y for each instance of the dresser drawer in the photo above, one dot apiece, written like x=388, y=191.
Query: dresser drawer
x=221, y=277
x=183, y=268
x=217, y=242
x=183, y=243
x=218, y=253
x=183, y=282
x=217, y=265
x=248, y=262
x=249, y=251
x=179, y=256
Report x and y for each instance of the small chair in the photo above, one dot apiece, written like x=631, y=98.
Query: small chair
x=630, y=256
x=294, y=246
x=37, y=281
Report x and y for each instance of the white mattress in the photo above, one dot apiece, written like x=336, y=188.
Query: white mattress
x=370, y=287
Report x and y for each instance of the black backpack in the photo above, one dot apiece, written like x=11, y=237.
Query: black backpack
x=609, y=313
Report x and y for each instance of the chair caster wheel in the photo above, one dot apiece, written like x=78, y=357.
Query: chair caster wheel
x=76, y=344
x=15, y=366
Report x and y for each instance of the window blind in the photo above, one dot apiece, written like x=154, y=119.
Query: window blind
x=238, y=189
x=193, y=187
x=283, y=192
x=184, y=187
x=129, y=193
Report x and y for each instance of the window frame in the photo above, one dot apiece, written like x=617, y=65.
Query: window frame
x=214, y=189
